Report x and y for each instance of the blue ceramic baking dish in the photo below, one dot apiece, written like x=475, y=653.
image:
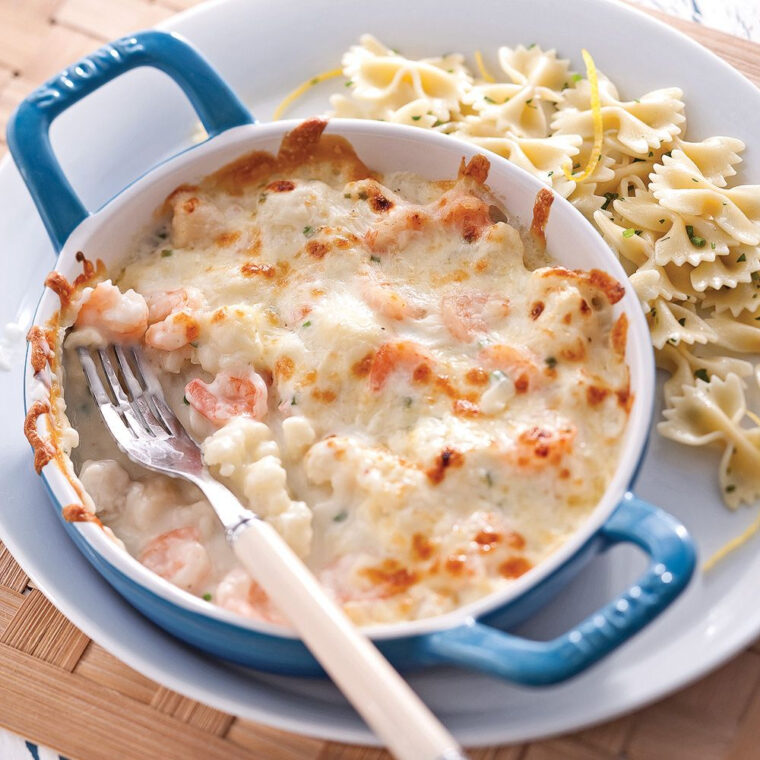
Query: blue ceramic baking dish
x=473, y=636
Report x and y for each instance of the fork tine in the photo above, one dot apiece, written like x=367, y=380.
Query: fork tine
x=111, y=414
x=155, y=396
x=139, y=398
x=94, y=383
x=132, y=415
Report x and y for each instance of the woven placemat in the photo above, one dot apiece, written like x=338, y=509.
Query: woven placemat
x=61, y=689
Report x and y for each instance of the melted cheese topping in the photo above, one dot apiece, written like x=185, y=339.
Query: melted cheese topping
x=371, y=366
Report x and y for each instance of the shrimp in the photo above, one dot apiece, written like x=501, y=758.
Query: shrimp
x=163, y=303
x=516, y=362
x=117, y=317
x=242, y=394
x=382, y=298
x=538, y=447
x=464, y=212
x=238, y=593
x=179, y=557
x=463, y=314
x=174, y=332
x=395, y=231
x=391, y=357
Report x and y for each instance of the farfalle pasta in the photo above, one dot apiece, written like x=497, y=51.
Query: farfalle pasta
x=687, y=235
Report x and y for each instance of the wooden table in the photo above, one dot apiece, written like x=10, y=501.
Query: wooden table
x=61, y=689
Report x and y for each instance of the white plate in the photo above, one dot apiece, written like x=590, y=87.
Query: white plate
x=113, y=136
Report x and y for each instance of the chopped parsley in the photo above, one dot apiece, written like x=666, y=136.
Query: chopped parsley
x=376, y=259
x=207, y=597
x=488, y=100
x=531, y=46
x=712, y=245
x=407, y=401
x=348, y=83
x=363, y=195
x=696, y=241
x=166, y=253
x=577, y=77
x=194, y=343
x=551, y=362
x=262, y=197
x=489, y=479
x=341, y=516
x=730, y=488
x=308, y=231
x=346, y=195
x=528, y=101
x=682, y=321
x=185, y=401
x=307, y=323
x=549, y=174
x=741, y=258
x=314, y=81
x=651, y=153
x=630, y=232
x=293, y=401
x=416, y=118
x=609, y=198
x=701, y=374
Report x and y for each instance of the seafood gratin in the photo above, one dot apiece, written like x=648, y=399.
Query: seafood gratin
x=382, y=367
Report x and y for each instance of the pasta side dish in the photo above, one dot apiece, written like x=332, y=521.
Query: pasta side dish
x=687, y=238
x=382, y=367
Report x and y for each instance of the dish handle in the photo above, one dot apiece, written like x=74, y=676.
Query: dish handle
x=482, y=647
x=28, y=131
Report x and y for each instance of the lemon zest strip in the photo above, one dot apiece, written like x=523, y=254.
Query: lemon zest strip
x=596, y=117
x=302, y=88
x=482, y=68
x=733, y=544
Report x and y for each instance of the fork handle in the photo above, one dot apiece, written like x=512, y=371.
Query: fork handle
x=379, y=694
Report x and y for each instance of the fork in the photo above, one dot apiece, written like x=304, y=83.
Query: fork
x=145, y=428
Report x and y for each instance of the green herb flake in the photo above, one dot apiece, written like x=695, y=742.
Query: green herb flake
x=576, y=166
x=341, y=516
x=207, y=597
x=531, y=46
x=730, y=488
x=698, y=242
x=375, y=259
x=489, y=479
x=488, y=100
x=363, y=195
x=661, y=221
x=609, y=198
x=262, y=197
x=712, y=245
x=651, y=153
x=682, y=321
x=701, y=374
x=185, y=401
x=577, y=77
x=294, y=401
x=416, y=118
x=308, y=231
x=166, y=253
x=694, y=179
x=194, y=343
x=528, y=101
x=629, y=233
x=741, y=258
x=348, y=83
x=314, y=81
x=407, y=401
x=551, y=362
